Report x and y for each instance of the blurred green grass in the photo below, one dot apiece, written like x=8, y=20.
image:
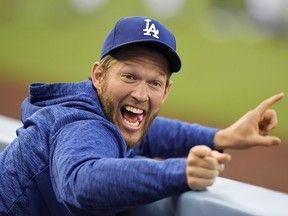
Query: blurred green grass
x=220, y=79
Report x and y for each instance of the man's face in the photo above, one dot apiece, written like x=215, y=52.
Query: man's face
x=133, y=90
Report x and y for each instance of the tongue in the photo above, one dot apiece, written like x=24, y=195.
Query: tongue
x=132, y=117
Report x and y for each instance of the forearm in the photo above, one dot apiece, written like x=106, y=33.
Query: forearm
x=115, y=183
x=174, y=138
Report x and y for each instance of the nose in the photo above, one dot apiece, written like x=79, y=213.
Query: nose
x=140, y=92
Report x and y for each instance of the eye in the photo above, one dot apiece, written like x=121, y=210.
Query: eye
x=128, y=77
x=155, y=84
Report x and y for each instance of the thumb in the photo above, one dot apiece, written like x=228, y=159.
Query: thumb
x=222, y=158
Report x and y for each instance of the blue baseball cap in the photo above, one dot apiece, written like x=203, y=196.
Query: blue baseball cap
x=145, y=31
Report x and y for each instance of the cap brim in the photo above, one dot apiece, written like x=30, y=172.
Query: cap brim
x=172, y=57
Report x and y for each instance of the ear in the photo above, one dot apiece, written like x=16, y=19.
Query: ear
x=97, y=76
x=167, y=90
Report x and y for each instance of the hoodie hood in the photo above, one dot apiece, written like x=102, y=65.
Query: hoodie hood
x=81, y=95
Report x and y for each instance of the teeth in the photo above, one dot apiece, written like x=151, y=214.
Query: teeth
x=135, y=124
x=134, y=110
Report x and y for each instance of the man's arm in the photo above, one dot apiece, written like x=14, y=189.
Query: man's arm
x=168, y=138
x=89, y=171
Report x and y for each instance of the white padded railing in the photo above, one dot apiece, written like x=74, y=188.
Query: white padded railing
x=8, y=128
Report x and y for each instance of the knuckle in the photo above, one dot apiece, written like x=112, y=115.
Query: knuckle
x=191, y=171
x=192, y=161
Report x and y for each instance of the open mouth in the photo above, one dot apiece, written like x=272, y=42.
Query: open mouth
x=132, y=116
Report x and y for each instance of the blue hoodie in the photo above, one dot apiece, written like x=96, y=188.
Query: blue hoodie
x=68, y=159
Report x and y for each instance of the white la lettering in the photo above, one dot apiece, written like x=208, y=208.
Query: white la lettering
x=152, y=28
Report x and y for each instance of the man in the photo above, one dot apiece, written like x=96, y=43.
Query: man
x=74, y=153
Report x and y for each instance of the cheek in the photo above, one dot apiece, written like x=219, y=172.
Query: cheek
x=117, y=93
x=157, y=100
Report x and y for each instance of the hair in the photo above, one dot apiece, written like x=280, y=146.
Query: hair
x=105, y=63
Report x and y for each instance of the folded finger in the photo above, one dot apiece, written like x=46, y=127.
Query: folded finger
x=200, y=172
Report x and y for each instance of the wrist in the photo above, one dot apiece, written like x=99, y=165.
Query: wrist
x=220, y=140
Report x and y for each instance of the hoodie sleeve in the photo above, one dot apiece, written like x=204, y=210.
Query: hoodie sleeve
x=173, y=138
x=90, y=173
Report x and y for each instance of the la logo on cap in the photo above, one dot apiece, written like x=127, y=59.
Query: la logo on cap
x=151, y=28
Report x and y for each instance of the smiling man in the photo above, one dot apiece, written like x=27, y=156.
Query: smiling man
x=74, y=153
x=133, y=89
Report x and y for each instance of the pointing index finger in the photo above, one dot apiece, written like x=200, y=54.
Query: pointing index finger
x=264, y=105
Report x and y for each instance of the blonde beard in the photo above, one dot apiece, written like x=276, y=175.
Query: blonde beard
x=108, y=108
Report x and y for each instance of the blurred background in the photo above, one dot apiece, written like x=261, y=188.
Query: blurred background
x=234, y=55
